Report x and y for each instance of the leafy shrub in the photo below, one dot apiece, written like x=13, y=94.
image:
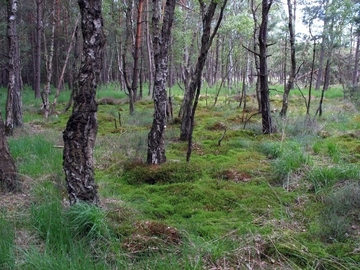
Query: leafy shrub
x=171, y=172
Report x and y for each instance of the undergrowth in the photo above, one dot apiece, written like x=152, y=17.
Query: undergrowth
x=245, y=201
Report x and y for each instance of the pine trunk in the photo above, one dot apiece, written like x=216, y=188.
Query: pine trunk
x=267, y=126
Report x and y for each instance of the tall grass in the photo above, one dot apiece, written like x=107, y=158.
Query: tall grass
x=36, y=155
x=7, y=244
x=73, y=238
x=287, y=158
x=323, y=178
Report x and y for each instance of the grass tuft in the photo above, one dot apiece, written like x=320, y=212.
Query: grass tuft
x=87, y=220
x=325, y=177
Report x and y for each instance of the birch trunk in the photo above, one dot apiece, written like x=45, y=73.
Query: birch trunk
x=49, y=66
x=161, y=43
x=13, y=102
x=8, y=172
x=81, y=129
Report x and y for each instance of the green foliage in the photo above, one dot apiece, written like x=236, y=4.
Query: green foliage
x=172, y=172
x=78, y=257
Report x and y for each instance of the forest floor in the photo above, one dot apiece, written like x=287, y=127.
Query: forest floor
x=245, y=200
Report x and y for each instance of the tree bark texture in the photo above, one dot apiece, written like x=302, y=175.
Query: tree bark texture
x=38, y=33
x=291, y=79
x=13, y=102
x=8, y=172
x=355, y=79
x=149, y=53
x=137, y=47
x=325, y=87
x=311, y=78
x=324, y=46
x=161, y=43
x=48, y=66
x=81, y=129
x=267, y=126
x=128, y=41
x=255, y=49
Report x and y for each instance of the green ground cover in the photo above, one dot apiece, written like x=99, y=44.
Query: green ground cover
x=285, y=201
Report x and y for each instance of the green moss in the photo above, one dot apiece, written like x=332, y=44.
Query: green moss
x=272, y=198
x=171, y=172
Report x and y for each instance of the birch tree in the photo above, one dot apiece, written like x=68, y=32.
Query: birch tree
x=161, y=43
x=290, y=83
x=81, y=129
x=8, y=172
x=49, y=54
x=13, y=102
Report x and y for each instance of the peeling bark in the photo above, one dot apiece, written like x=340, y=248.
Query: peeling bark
x=13, y=102
x=291, y=79
x=80, y=133
x=48, y=66
x=8, y=172
x=161, y=43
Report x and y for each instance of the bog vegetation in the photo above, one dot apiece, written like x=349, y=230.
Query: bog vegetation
x=289, y=200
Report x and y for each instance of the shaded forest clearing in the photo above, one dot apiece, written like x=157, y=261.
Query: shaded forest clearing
x=289, y=200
